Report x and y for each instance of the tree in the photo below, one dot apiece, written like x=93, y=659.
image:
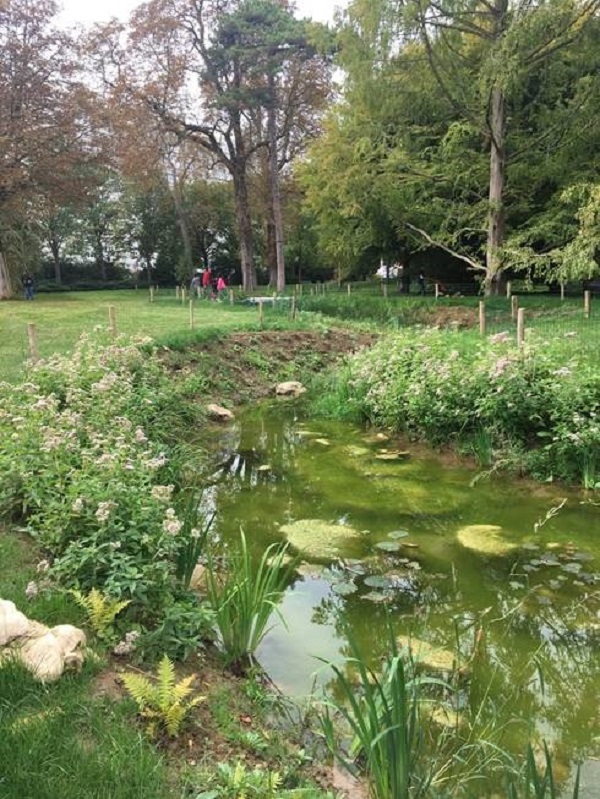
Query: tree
x=175, y=45
x=44, y=127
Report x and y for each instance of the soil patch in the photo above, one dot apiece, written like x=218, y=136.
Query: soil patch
x=244, y=367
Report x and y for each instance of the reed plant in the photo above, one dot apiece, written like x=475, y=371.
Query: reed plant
x=383, y=717
x=244, y=595
x=537, y=782
x=193, y=536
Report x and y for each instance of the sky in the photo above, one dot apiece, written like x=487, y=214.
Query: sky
x=85, y=12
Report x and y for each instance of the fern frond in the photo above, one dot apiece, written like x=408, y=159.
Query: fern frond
x=166, y=682
x=184, y=688
x=139, y=688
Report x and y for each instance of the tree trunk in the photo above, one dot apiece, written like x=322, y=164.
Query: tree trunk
x=496, y=220
x=242, y=210
x=271, y=247
x=5, y=281
x=183, y=226
x=274, y=187
x=55, y=249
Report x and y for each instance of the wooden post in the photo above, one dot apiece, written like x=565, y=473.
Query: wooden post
x=587, y=303
x=562, y=291
x=385, y=289
x=349, y=289
x=32, y=337
x=514, y=307
x=521, y=326
x=231, y=300
x=182, y=295
x=151, y=293
x=293, y=308
x=191, y=314
x=482, y=317
x=508, y=289
x=261, y=313
x=176, y=292
x=437, y=290
x=112, y=320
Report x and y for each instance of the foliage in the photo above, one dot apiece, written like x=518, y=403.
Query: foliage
x=78, y=741
x=164, y=703
x=539, y=783
x=383, y=717
x=101, y=610
x=183, y=628
x=77, y=460
x=245, y=596
x=539, y=408
x=241, y=782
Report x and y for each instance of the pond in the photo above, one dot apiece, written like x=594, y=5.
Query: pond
x=466, y=565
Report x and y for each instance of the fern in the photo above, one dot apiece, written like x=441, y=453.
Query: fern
x=101, y=610
x=163, y=702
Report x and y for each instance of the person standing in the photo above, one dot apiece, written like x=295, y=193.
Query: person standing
x=196, y=284
x=28, y=286
x=207, y=281
x=221, y=286
x=421, y=282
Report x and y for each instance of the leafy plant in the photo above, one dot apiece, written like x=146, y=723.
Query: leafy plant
x=101, y=610
x=538, y=783
x=165, y=703
x=383, y=718
x=193, y=536
x=245, y=596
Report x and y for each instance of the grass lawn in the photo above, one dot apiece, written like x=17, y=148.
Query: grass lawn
x=60, y=740
x=61, y=318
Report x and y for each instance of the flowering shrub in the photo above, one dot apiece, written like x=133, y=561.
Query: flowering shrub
x=80, y=463
x=445, y=386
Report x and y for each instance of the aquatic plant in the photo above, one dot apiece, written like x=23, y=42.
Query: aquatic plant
x=485, y=539
x=244, y=595
x=317, y=538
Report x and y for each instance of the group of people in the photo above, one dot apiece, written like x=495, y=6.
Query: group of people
x=206, y=284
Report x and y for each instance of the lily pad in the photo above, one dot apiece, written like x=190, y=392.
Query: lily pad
x=572, y=568
x=377, y=581
x=388, y=546
x=344, y=589
x=376, y=596
x=428, y=656
x=486, y=539
x=396, y=534
x=317, y=538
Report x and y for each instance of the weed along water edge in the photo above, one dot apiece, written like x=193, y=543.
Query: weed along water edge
x=484, y=582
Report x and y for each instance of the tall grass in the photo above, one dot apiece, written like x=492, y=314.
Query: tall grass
x=58, y=742
x=383, y=717
x=244, y=596
x=538, y=782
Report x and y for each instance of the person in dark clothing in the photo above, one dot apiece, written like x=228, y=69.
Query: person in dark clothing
x=28, y=287
x=421, y=282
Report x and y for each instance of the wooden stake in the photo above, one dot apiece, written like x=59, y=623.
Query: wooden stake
x=151, y=293
x=437, y=290
x=514, y=307
x=385, y=289
x=521, y=326
x=231, y=300
x=587, y=303
x=191, y=314
x=482, y=317
x=112, y=320
x=176, y=292
x=32, y=336
x=261, y=313
x=349, y=289
x=293, y=308
x=562, y=291
x=182, y=295
x=508, y=289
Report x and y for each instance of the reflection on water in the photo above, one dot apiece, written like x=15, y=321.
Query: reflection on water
x=533, y=602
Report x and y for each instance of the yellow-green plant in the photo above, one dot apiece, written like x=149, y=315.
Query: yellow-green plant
x=101, y=610
x=162, y=701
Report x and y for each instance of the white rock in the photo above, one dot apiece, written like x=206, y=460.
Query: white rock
x=218, y=413
x=13, y=623
x=292, y=388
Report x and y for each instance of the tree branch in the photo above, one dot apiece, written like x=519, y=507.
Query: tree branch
x=473, y=264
